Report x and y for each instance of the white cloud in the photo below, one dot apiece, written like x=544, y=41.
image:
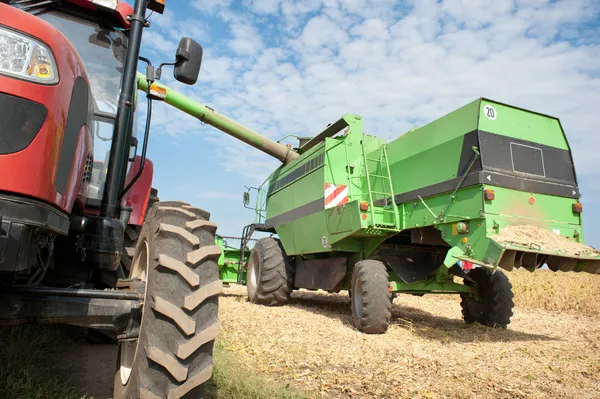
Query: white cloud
x=372, y=29
x=246, y=40
x=264, y=6
x=160, y=43
x=475, y=14
x=211, y=6
x=321, y=31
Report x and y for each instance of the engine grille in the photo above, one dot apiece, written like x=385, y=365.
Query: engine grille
x=87, y=170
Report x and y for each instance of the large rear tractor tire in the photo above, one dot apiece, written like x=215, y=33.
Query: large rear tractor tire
x=132, y=232
x=270, y=278
x=494, y=303
x=370, y=297
x=176, y=257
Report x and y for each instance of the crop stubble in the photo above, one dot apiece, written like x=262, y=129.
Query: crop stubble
x=428, y=352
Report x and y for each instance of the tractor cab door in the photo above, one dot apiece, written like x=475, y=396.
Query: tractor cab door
x=102, y=131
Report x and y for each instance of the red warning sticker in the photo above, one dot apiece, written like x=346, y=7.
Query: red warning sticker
x=335, y=195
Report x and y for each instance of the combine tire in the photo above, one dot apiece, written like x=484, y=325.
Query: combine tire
x=175, y=257
x=270, y=278
x=495, y=303
x=370, y=297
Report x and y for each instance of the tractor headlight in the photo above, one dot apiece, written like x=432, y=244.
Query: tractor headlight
x=26, y=58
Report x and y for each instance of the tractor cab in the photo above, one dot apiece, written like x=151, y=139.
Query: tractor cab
x=100, y=39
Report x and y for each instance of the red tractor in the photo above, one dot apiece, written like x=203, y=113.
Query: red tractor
x=84, y=239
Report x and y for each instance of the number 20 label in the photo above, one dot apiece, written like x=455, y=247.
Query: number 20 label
x=489, y=112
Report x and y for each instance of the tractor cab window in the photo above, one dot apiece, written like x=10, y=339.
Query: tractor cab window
x=102, y=129
x=102, y=49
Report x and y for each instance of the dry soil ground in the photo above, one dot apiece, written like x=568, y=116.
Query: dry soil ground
x=428, y=352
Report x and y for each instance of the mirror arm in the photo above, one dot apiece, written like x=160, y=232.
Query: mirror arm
x=159, y=70
x=151, y=74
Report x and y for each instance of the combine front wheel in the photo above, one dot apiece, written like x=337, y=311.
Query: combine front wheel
x=370, y=297
x=270, y=273
x=494, y=302
x=175, y=263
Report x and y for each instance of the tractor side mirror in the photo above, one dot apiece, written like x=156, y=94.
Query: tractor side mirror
x=189, y=58
x=246, y=198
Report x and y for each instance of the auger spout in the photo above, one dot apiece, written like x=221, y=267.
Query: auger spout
x=223, y=123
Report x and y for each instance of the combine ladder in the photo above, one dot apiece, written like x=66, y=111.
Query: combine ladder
x=382, y=174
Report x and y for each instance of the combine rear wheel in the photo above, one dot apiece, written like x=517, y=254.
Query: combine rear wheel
x=175, y=258
x=370, y=297
x=270, y=278
x=494, y=303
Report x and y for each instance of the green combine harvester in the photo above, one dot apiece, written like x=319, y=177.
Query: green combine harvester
x=490, y=185
x=232, y=261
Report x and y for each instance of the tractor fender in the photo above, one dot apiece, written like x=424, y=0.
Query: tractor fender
x=138, y=195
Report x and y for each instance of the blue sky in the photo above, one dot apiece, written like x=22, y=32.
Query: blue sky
x=284, y=67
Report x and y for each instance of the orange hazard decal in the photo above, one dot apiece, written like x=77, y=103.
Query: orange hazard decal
x=335, y=195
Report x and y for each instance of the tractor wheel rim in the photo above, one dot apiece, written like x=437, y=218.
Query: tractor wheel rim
x=139, y=270
x=357, y=297
x=253, y=274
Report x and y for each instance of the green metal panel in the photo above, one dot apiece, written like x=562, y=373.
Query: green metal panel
x=521, y=124
x=440, y=283
x=305, y=235
x=430, y=154
x=343, y=221
x=300, y=203
x=509, y=208
x=308, y=188
x=467, y=204
x=473, y=244
x=229, y=262
x=284, y=175
x=516, y=206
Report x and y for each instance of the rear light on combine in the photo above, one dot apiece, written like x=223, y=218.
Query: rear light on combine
x=577, y=207
x=364, y=206
x=489, y=195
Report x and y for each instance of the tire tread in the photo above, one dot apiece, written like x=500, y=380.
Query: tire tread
x=375, y=297
x=183, y=271
x=276, y=279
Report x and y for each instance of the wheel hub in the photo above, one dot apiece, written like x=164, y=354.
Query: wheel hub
x=356, y=298
x=253, y=274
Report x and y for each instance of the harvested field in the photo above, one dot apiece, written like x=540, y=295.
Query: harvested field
x=577, y=293
x=428, y=352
